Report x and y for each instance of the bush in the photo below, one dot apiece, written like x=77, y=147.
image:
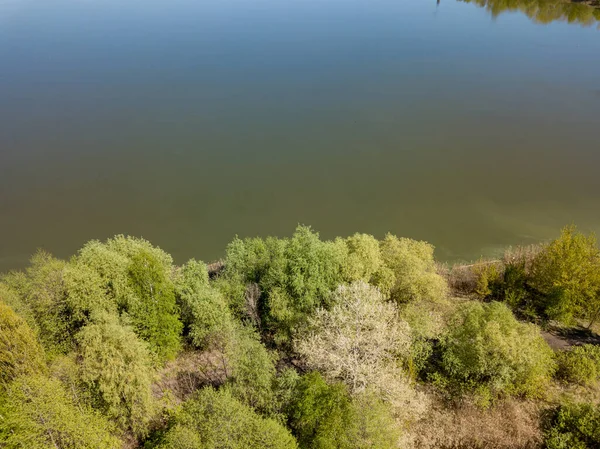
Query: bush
x=37, y=413
x=20, y=352
x=580, y=364
x=363, y=259
x=138, y=278
x=574, y=427
x=413, y=267
x=215, y=419
x=487, y=350
x=324, y=416
x=116, y=366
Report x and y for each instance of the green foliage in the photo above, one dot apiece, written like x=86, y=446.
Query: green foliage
x=204, y=310
x=414, y=270
x=363, y=260
x=324, y=416
x=152, y=307
x=487, y=350
x=215, y=419
x=488, y=276
x=567, y=273
x=37, y=413
x=252, y=371
x=580, y=364
x=138, y=279
x=294, y=276
x=116, y=366
x=20, y=352
x=574, y=427
x=61, y=297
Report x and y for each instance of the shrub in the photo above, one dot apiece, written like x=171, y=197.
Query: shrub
x=20, y=352
x=574, y=427
x=215, y=419
x=488, y=277
x=37, y=413
x=363, y=259
x=580, y=364
x=116, y=366
x=414, y=270
x=487, y=350
x=324, y=416
x=567, y=273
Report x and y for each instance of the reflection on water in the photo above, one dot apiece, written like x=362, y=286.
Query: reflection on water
x=545, y=11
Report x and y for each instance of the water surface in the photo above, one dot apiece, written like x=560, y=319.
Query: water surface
x=190, y=121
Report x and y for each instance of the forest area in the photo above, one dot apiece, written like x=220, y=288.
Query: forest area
x=300, y=342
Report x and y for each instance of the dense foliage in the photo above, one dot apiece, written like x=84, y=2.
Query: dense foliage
x=288, y=343
x=487, y=350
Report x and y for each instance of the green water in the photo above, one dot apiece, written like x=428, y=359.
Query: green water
x=189, y=122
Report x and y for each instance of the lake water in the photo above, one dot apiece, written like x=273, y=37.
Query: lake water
x=190, y=121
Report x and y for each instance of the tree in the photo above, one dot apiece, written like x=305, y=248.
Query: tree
x=488, y=351
x=61, y=296
x=324, y=416
x=574, y=426
x=567, y=273
x=204, y=310
x=362, y=342
x=413, y=268
x=117, y=368
x=363, y=258
x=214, y=419
x=138, y=278
x=20, y=352
x=37, y=413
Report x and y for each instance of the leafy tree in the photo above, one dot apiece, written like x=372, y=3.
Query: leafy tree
x=117, y=368
x=413, y=267
x=580, y=364
x=138, y=278
x=61, y=297
x=574, y=426
x=324, y=416
x=363, y=259
x=567, y=272
x=487, y=350
x=214, y=419
x=37, y=413
x=252, y=371
x=360, y=341
x=152, y=308
x=20, y=352
x=204, y=310
x=294, y=277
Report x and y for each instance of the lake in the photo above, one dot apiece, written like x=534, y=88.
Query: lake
x=469, y=125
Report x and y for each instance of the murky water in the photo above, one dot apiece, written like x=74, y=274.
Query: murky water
x=190, y=121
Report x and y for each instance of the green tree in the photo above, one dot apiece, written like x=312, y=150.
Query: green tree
x=580, y=364
x=413, y=268
x=61, y=297
x=37, y=413
x=204, y=310
x=116, y=367
x=138, y=278
x=20, y=352
x=214, y=419
x=567, y=273
x=324, y=416
x=487, y=350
